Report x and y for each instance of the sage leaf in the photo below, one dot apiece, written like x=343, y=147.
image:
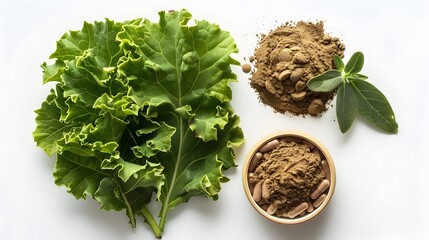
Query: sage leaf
x=374, y=106
x=355, y=95
x=347, y=107
x=361, y=76
x=339, y=64
x=325, y=82
x=355, y=64
x=357, y=76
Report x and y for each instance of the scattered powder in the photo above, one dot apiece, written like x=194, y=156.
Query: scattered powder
x=286, y=59
x=291, y=172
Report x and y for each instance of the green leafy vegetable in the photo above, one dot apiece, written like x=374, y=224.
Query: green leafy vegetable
x=355, y=95
x=141, y=108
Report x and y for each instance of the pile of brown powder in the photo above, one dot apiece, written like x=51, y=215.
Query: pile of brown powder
x=286, y=59
x=290, y=173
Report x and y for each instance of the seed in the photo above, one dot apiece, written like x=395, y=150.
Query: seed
x=298, y=96
x=327, y=39
x=269, y=85
x=300, y=86
x=285, y=55
x=284, y=75
x=297, y=75
x=246, y=68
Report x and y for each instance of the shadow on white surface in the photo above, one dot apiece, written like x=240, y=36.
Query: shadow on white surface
x=312, y=229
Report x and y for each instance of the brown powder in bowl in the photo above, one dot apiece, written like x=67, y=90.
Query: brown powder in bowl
x=289, y=174
x=286, y=59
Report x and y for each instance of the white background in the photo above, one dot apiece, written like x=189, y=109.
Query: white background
x=382, y=187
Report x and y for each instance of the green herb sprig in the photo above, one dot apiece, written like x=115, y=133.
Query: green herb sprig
x=355, y=95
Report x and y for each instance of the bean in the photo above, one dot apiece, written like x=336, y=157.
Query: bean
x=297, y=210
x=300, y=86
x=296, y=75
x=257, y=192
x=326, y=170
x=246, y=68
x=269, y=85
x=283, y=76
x=265, y=191
x=319, y=200
x=327, y=39
x=298, y=96
x=269, y=146
x=324, y=184
x=255, y=161
x=285, y=55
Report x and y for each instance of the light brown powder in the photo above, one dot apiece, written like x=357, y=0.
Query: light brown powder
x=286, y=59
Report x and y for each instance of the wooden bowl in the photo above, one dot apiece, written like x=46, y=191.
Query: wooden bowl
x=310, y=141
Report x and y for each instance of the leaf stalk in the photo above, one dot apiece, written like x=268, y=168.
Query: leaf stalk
x=150, y=220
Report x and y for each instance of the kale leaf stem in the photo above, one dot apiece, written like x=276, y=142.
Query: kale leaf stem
x=150, y=220
x=128, y=209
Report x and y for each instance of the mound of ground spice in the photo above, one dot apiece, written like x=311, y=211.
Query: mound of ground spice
x=286, y=59
x=290, y=173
